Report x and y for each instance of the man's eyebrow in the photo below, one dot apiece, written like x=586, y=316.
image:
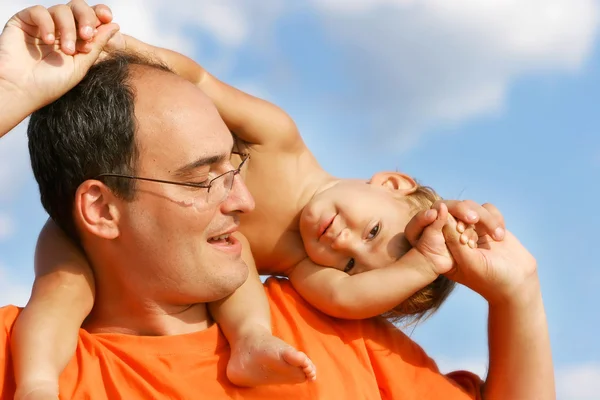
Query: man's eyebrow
x=201, y=162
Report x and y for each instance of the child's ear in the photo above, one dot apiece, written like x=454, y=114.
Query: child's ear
x=97, y=210
x=395, y=181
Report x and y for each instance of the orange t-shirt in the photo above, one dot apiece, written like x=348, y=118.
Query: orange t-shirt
x=368, y=359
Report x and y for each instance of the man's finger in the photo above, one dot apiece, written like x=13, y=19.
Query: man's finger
x=491, y=222
x=414, y=228
x=39, y=17
x=86, y=19
x=486, y=222
x=463, y=210
x=65, y=25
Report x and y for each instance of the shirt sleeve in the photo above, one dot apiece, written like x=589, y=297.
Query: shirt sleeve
x=8, y=316
x=404, y=371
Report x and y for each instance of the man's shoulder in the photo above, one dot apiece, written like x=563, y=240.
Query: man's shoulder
x=287, y=305
x=283, y=296
x=8, y=316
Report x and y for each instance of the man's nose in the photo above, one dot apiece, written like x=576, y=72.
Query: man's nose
x=239, y=198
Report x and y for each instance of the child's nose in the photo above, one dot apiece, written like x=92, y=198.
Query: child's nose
x=343, y=241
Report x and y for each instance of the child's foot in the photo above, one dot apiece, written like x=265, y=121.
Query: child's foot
x=267, y=360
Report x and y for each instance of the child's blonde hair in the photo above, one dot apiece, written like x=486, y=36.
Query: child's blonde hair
x=427, y=300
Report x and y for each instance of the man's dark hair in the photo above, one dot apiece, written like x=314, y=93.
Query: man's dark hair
x=88, y=131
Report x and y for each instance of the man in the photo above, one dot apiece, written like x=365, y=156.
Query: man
x=150, y=335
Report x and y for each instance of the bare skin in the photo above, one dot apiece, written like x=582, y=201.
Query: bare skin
x=287, y=182
x=503, y=272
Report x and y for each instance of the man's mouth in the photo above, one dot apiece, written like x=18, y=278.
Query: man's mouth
x=221, y=239
x=227, y=243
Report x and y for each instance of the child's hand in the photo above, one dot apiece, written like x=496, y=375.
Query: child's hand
x=431, y=242
x=38, y=67
x=117, y=43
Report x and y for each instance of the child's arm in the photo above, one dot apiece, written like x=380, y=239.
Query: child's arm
x=377, y=291
x=44, y=337
x=363, y=295
x=257, y=357
x=254, y=120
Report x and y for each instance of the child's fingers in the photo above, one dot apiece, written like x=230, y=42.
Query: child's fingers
x=86, y=60
x=65, y=25
x=414, y=228
x=465, y=256
x=85, y=16
x=40, y=17
x=469, y=236
x=487, y=218
x=103, y=13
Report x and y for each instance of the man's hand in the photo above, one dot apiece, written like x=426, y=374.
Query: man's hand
x=46, y=52
x=500, y=271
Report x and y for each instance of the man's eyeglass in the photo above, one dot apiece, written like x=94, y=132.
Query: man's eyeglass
x=218, y=187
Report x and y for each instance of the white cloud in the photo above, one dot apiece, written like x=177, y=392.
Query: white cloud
x=578, y=382
x=575, y=382
x=416, y=64
x=437, y=61
x=7, y=226
x=12, y=291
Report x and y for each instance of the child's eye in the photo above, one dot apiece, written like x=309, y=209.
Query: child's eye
x=349, y=266
x=373, y=233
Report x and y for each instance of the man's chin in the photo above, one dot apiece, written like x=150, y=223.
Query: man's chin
x=238, y=275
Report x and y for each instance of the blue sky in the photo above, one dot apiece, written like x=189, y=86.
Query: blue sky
x=490, y=101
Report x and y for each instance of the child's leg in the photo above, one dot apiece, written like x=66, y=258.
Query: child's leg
x=257, y=357
x=45, y=335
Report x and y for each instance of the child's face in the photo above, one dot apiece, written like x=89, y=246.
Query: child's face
x=355, y=226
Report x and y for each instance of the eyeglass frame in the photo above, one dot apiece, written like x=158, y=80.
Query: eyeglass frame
x=236, y=171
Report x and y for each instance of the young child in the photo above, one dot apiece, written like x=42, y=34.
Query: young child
x=339, y=241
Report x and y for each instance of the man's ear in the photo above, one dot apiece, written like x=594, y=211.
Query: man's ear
x=395, y=181
x=97, y=209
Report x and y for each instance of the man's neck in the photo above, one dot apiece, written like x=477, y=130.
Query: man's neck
x=120, y=308
x=147, y=318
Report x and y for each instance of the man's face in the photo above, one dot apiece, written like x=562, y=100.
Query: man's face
x=179, y=234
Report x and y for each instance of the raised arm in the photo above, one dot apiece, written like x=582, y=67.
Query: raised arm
x=33, y=70
x=254, y=120
x=505, y=274
x=377, y=291
x=364, y=295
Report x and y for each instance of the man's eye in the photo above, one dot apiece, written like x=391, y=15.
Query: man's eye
x=349, y=266
x=373, y=233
